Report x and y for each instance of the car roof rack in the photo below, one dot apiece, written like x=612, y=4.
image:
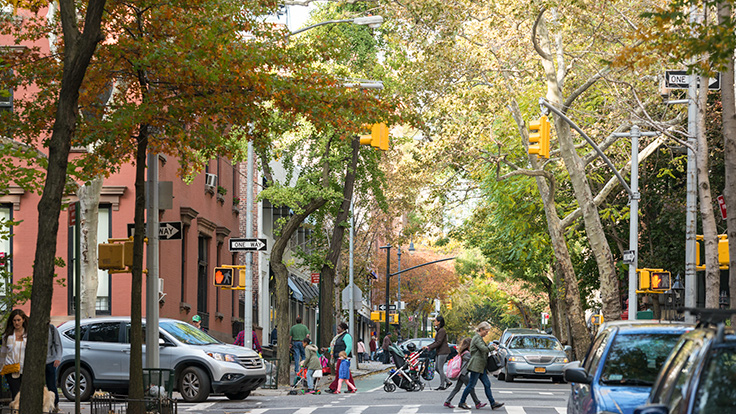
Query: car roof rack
x=709, y=317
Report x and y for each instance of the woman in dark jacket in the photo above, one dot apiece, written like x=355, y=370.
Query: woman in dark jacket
x=477, y=366
x=443, y=350
x=342, y=342
x=462, y=380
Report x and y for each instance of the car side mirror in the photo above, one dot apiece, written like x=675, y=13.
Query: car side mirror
x=577, y=375
x=652, y=409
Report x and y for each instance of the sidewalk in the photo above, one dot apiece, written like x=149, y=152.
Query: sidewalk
x=365, y=368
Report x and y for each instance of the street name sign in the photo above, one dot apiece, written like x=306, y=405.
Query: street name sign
x=248, y=245
x=167, y=230
x=383, y=307
x=680, y=79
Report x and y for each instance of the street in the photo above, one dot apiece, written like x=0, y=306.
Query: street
x=520, y=397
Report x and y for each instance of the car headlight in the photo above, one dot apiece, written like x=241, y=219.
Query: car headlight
x=223, y=357
x=562, y=360
x=516, y=359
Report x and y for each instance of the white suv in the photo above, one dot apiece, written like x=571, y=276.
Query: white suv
x=202, y=364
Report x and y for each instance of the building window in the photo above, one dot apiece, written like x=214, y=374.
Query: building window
x=6, y=245
x=202, y=285
x=104, y=288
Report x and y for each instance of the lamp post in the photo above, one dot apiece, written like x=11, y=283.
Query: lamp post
x=388, y=279
x=370, y=21
x=398, y=295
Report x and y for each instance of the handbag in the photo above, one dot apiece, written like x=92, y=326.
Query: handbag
x=494, y=362
x=10, y=369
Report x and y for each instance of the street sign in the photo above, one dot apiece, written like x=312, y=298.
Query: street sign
x=390, y=307
x=315, y=278
x=72, y=214
x=357, y=297
x=722, y=205
x=629, y=256
x=167, y=230
x=248, y=245
x=680, y=79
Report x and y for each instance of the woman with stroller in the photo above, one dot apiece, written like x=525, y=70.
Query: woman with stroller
x=443, y=350
x=462, y=380
x=343, y=342
x=311, y=363
x=477, y=366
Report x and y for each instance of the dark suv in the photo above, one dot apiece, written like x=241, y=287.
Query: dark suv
x=699, y=377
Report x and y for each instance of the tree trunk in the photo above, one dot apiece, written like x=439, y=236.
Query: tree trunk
x=79, y=48
x=583, y=194
x=710, y=231
x=281, y=273
x=89, y=202
x=327, y=274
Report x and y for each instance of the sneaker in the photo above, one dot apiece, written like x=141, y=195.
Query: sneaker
x=496, y=405
x=480, y=405
x=463, y=406
x=448, y=405
x=352, y=391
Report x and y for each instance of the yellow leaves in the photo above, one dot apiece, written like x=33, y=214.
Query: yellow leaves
x=32, y=5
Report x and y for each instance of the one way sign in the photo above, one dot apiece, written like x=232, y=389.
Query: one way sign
x=248, y=245
x=680, y=79
x=167, y=230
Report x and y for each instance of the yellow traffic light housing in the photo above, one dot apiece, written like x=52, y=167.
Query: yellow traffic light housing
x=110, y=256
x=596, y=319
x=223, y=277
x=449, y=305
x=394, y=318
x=539, y=131
x=378, y=137
x=654, y=280
x=378, y=316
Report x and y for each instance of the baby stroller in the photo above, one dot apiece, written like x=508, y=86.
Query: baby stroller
x=300, y=384
x=407, y=374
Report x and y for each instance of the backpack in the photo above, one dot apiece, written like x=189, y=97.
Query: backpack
x=454, y=366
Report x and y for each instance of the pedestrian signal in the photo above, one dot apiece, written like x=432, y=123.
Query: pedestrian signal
x=654, y=280
x=596, y=319
x=223, y=277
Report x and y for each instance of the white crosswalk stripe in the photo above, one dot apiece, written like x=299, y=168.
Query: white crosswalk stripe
x=401, y=409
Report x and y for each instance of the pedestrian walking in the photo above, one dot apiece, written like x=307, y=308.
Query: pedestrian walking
x=53, y=359
x=13, y=351
x=240, y=340
x=343, y=342
x=462, y=380
x=384, y=346
x=297, y=334
x=311, y=363
x=344, y=374
x=197, y=322
x=443, y=350
x=477, y=366
x=361, y=350
x=373, y=346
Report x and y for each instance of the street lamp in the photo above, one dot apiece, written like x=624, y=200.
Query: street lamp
x=398, y=304
x=370, y=21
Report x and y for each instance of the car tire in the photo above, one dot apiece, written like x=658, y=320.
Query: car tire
x=194, y=384
x=240, y=395
x=85, y=384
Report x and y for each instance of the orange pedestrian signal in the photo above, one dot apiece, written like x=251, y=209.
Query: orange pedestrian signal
x=223, y=277
x=660, y=280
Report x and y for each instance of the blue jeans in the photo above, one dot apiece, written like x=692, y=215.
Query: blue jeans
x=298, y=354
x=310, y=379
x=51, y=381
x=471, y=385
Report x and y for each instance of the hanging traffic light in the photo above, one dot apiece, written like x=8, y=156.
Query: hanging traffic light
x=539, y=137
x=223, y=277
x=378, y=137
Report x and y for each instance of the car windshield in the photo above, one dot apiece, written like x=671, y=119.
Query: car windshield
x=535, y=342
x=717, y=390
x=635, y=359
x=188, y=334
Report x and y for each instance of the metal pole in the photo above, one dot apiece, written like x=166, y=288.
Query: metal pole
x=351, y=307
x=634, y=221
x=691, y=199
x=248, y=302
x=388, y=278
x=398, y=305
x=77, y=310
x=152, y=354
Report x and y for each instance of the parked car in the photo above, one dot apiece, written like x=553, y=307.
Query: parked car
x=202, y=364
x=620, y=367
x=537, y=356
x=700, y=374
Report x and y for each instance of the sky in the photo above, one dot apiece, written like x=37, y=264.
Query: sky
x=299, y=14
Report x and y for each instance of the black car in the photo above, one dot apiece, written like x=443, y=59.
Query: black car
x=699, y=376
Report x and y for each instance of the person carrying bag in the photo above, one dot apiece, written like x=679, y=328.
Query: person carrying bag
x=462, y=376
x=477, y=367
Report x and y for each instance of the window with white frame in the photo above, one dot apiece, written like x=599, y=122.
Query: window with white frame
x=5, y=246
x=104, y=226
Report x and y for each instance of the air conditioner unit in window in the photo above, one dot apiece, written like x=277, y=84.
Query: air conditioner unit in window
x=210, y=180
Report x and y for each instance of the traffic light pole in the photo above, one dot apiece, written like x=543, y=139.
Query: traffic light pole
x=388, y=279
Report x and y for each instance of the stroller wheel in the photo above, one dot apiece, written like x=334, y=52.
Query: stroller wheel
x=292, y=392
x=389, y=387
x=421, y=386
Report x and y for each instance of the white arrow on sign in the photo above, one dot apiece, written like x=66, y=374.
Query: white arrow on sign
x=168, y=231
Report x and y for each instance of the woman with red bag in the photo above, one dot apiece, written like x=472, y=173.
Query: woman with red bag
x=342, y=342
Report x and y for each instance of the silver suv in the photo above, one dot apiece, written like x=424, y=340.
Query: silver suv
x=202, y=364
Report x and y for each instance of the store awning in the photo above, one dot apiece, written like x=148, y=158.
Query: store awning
x=308, y=292
x=295, y=292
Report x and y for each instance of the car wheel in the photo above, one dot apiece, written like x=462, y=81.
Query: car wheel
x=194, y=384
x=68, y=383
x=241, y=395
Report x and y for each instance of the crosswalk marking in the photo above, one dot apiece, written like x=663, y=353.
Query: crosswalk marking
x=409, y=409
x=514, y=409
x=305, y=410
x=395, y=408
x=561, y=410
x=200, y=407
x=358, y=409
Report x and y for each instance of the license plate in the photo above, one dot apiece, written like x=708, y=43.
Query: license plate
x=540, y=370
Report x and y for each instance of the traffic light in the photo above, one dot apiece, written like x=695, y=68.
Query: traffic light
x=539, y=137
x=545, y=318
x=510, y=306
x=394, y=318
x=654, y=280
x=378, y=137
x=596, y=319
x=378, y=316
x=223, y=277
x=449, y=305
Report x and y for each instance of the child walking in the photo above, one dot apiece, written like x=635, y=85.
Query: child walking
x=344, y=374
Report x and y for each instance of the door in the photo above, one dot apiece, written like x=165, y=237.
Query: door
x=581, y=400
x=105, y=352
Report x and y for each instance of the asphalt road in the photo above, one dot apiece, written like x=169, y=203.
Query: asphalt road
x=520, y=397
